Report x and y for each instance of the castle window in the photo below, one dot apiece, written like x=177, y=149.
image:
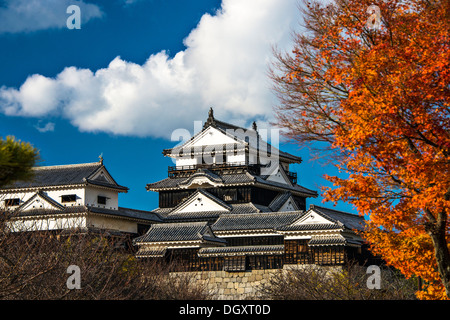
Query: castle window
x=12, y=202
x=69, y=198
x=235, y=263
x=101, y=200
x=230, y=195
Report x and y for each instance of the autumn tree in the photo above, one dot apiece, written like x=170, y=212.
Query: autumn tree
x=367, y=84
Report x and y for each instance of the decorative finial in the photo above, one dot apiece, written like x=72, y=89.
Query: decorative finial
x=210, y=119
x=100, y=157
x=211, y=114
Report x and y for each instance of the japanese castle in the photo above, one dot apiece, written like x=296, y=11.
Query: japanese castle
x=229, y=203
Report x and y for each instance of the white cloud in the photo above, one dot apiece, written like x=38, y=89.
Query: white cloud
x=48, y=127
x=224, y=66
x=31, y=15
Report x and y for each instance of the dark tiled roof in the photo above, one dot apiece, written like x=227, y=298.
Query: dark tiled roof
x=106, y=184
x=239, y=208
x=245, y=178
x=156, y=252
x=248, y=207
x=349, y=220
x=46, y=212
x=162, y=211
x=194, y=216
x=254, y=221
x=186, y=231
x=127, y=213
x=295, y=188
x=279, y=200
x=226, y=179
x=140, y=214
x=64, y=210
x=167, y=183
x=241, y=250
x=63, y=175
x=310, y=227
x=327, y=240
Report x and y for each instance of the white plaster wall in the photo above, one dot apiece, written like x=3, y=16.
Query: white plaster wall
x=104, y=222
x=211, y=136
x=49, y=223
x=23, y=196
x=236, y=158
x=186, y=161
x=56, y=195
x=92, y=193
x=53, y=194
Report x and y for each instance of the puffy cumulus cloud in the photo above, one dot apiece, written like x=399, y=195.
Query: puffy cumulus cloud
x=31, y=15
x=224, y=66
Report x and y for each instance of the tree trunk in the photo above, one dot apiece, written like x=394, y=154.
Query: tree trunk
x=441, y=252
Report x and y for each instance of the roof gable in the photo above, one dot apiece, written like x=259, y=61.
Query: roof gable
x=201, y=201
x=279, y=176
x=202, y=178
x=102, y=175
x=289, y=205
x=323, y=218
x=313, y=218
x=40, y=201
x=349, y=220
x=210, y=136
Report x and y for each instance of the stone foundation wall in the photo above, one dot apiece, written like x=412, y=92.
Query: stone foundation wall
x=233, y=285
x=238, y=285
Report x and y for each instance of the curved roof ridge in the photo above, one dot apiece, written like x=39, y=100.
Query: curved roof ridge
x=64, y=166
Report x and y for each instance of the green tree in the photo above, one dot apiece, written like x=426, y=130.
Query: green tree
x=16, y=160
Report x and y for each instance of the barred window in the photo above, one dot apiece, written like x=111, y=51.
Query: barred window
x=12, y=202
x=297, y=251
x=236, y=263
x=329, y=255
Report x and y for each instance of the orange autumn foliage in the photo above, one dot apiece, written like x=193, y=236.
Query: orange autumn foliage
x=377, y=99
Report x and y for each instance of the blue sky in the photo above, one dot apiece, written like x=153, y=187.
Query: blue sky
x=136, y=71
